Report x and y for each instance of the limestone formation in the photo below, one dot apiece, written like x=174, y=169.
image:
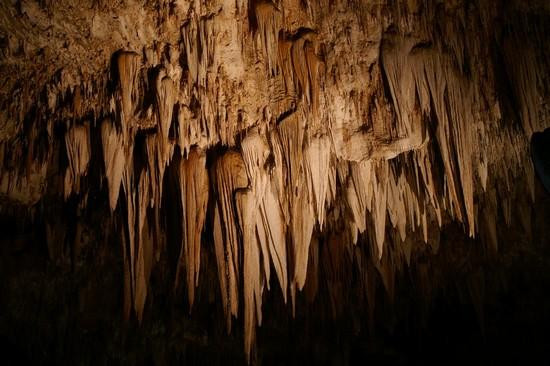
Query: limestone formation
x=293, y=130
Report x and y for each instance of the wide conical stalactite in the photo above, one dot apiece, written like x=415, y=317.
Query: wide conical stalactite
x=282, y=136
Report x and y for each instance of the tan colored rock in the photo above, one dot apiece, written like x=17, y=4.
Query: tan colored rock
x=306, y=131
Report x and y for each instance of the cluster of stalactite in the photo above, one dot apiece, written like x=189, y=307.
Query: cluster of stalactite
x=287, y=124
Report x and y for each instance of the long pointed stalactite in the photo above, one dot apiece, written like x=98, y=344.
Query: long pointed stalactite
x=302, y=134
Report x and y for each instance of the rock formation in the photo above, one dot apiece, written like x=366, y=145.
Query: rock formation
x=282, y=136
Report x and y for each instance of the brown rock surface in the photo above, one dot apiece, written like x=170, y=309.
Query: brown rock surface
x=330, y=143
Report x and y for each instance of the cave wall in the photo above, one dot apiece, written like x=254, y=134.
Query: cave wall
x=221, y=151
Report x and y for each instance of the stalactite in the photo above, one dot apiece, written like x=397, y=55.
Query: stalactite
x=128, y=64
x=317, y=158
x=380, y=194
x=269, y=24
x=269, y=224
x=252, y=279
x=228, y=175
x=194, y=198
x=77, y=142
x=313, y=138
x=115, y=159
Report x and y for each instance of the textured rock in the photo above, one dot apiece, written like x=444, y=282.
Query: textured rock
x=283, y=123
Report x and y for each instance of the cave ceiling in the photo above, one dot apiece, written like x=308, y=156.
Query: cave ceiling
x=271, y=133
